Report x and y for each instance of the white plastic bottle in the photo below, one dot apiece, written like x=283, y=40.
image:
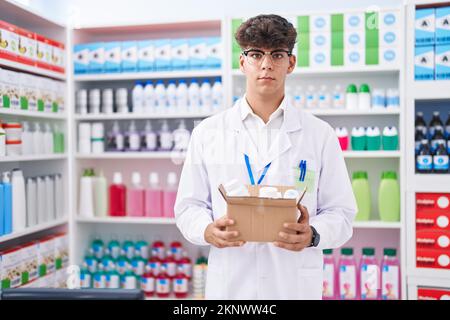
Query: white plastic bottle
x=311, y=98
x=100, y=196
x=41, y=200
x=338, y=97
x=171, y=97
x=38, y=139
x=31, y=203
x=116, y=140
x=205, y=96
x=82, y=104
x=324, y=97
x=59, y=196
x=194, y=96
x=149, y=97
x=86, y=205
x=165, y=137
x=98, y=138
x=182, y=97
x=217, y=96
x=138, y=98
x=50, y=193
x=107, y=101
x=122, y=100
x=150, y=138
x=133, y=139
x=161, y=97
x=19, y=209
x=94, y=101
x=299, y=97
x=392, y=98
x=351, y=97
x=364, y=98
x=27, y=140
x=48, y=138
x=181, y=137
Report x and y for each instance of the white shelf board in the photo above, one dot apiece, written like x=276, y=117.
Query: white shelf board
x=429, y=273
x=431, y=90
x=344, y=112
x=431, y=183
x=127, y=220
x=372, y=154
x=134, y=116
x=376, y=225
x=38, y=228
x=34, y=158
x=172, y=297
x=20, y=67
x=132, y=155
x=336, y=70
x=33, y=114
x=148, y=75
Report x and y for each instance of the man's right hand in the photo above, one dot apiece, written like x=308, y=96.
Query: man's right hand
x=216, y=235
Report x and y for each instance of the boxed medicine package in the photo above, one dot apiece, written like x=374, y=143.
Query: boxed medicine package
x=259, y=212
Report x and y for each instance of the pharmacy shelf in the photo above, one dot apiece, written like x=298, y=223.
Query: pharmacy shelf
x=344, y=112
x=132, y=155
x=172, y=297
x=376, y=225
x=35, y=229
x=127, y=220
x=34, y=158
x=429, y=272
x=31, y=69
x=431, y=90
x=364, y=70
x=372, y=154
x=33, y=114
x=135, y=116
x=148, y=75
x=431, y=183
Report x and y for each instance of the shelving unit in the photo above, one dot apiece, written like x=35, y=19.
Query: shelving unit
x=127, y=220
x=418, y=92
x=36, y=165
x=133, y=116
x=148, y=75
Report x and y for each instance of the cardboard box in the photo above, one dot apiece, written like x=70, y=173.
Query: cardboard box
x=320, y=23
x=9, y=41
x=61, y=251
x=428, y=203
x=424, y=63
x=353, y=58
x=214, y=52
x=96, y=57
x=429, y=258
x=46, y=256
x=113, y=57
x=442, y=62
x=29, y=255
x=58, y=56
x=197, y=53
x=129, y=56
x=430, y=239
x=425, y=26
x=10, y=268
x=443, y=25
x=163, y=55
x=81, y=58
x=27, y=47
x=354, y=21
x=260, y=219
x=180, y=54
x=146, y=55
x=388, y=56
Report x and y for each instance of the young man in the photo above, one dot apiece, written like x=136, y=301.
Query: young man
x=264, y=139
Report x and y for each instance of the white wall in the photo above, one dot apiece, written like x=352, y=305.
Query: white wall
x=98, y=12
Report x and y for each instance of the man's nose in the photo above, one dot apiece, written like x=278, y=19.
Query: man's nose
x=267, y=62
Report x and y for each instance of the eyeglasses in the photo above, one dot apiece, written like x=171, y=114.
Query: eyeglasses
x=255, y=56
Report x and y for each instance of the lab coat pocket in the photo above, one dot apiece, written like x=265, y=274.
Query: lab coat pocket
x=309, y=283
x=305, y=176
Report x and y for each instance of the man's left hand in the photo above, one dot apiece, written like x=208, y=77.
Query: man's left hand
x=298, y=235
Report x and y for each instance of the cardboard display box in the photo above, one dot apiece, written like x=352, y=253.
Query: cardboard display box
x=260, y=219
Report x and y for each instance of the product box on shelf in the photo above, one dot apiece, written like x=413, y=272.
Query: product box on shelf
x=197, y=53
x=354, y=57
x=43, y=52
x=96, y=57
x=129, y=56
x=432, y=220
x=433, y=293
x=354, y=21
x=389, y=19
x=29, y=254
x=180, y=54
x=436, y=259
x=214, y=52
x=320, y=23
x=46, y=256
x=146, y=55
x=26, y=47
x=11, y=90
x=425, y=26
x=424, y=63
x=319, y=58
x=443, y=25
x=113, y=57
x=321, y=41
x=9, y=41
x=61, y=251
x=442, y=62
x=431, y=239
x=388, y=56
x=163, y=54
x=259, y=219
x=429, y=203
x=57, y=56
x=10, y=268
x=81, y=58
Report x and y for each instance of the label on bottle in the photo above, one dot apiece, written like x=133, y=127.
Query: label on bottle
x=113, y=281
x=369, y=281
x=347, y=282
x=328, y=281
x=115, y=251
x=99, y=281
x=163, y=286
x=180, y=286
x=390, y=283
x=187, y=269
x=166, y=140
x=129, y=282
x=171, y=269
x=148, y=284
x=424, y=162
x=138, y=267
x=150, y=141
x=440, y=163
x=85, y=280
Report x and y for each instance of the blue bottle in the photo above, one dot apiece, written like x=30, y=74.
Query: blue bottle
x=7, y=202
x=2, y=212
x=424, y=160
x=440, y=159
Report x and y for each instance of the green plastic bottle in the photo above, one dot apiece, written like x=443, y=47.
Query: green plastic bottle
x=389, y=197
x=361, y=190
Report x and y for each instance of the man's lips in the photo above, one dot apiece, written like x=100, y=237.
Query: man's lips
x=266, y=78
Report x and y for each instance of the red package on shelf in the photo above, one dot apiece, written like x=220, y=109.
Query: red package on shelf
x=9, y=41
x=429, y=239
x=57, y=56
x=26, y=47
x=433, y=294
x=436, y=259
x=427, y=203
x=43, y=52
x=433, y=221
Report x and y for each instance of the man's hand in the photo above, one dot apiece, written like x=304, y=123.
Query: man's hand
x=216, y=235
x=298, y=235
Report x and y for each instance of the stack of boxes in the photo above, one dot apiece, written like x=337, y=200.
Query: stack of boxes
x=148, y=55
x=432, y=44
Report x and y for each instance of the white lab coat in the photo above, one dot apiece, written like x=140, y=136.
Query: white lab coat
x=261, y=270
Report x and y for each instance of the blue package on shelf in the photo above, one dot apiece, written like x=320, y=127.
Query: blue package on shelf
x=442, y=62
x=112, y=57
x=80, y=58
x=197, y=53
x=146, y=55
x=180, y=54
x=163, y=55
x=425, y=26
x=96, y=57
x=443, y=25
x=213, y=52
x=129, y=56
x=424, y=63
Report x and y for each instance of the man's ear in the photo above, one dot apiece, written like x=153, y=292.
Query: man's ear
x=241, y=63
x=292, y=63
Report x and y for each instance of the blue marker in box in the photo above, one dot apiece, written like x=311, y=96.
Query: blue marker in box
x=442, y=62
x=81, y=58
x=112, y=57
x=180, y=54
x=425, y=27
x=424, y=63
x=214, y=52
x=146, y=56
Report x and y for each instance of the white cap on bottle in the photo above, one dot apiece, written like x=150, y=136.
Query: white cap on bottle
x=117, y=178
x=172, y=178
x=136, y=178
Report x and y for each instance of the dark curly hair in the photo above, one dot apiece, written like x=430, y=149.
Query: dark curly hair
x=266, y=31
